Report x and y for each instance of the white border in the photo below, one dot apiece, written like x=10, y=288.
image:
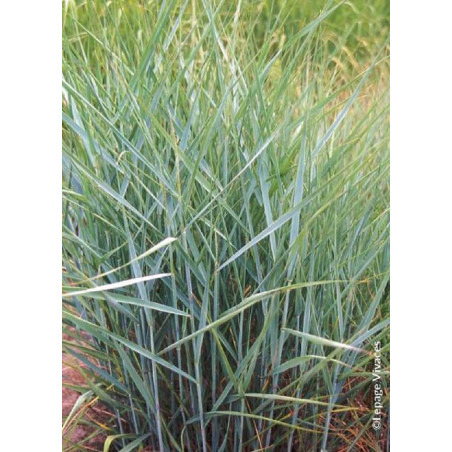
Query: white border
x=421, y=251
x=30, y=225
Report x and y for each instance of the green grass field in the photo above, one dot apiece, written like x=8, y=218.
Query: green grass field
x=226, y=220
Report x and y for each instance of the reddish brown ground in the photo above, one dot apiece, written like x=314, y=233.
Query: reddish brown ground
x=84, y=432
x=89, y=428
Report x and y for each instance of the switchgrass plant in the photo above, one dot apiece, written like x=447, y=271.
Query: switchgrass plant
x=225, y=220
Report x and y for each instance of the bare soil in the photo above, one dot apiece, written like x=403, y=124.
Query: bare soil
x=86, y=432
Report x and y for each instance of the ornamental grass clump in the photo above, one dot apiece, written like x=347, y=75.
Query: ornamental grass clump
x=226, y=220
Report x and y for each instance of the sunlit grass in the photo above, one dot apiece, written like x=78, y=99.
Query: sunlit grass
x=225, y=192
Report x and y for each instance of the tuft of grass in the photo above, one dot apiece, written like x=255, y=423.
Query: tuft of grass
x=226, y=219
